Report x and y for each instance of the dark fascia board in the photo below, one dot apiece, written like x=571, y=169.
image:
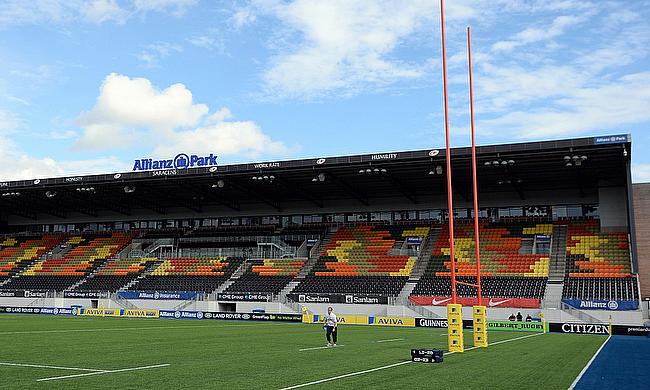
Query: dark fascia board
x=316, y=163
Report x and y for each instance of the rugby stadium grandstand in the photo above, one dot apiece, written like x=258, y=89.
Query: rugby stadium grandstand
x=556, y=224
x=563, y=243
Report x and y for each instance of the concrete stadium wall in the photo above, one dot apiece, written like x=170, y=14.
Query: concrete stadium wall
x=641, y=202
x=612, y=208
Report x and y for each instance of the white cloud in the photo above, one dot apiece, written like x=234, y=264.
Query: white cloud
x=208, y=41
x=345, y=46
x=100, y=11
x=223, y=138
x=61, y=135
x=130, y=111
x=17, y=12
x=641, y=173
x=243, y=17
x=135, y=103
x=152, y=55
x=611, y=106
x=8, y=122
x=16, y=165
x=537, y=34
x=177, y=7
x=221, y=115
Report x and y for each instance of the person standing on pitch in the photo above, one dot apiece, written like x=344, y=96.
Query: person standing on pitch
x=330, y=327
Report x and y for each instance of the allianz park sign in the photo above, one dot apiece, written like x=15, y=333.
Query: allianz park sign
x=181, y=161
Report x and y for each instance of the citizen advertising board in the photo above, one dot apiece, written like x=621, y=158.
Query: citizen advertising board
x=598, y=329
x=244, y=297
x=339, y=298
x=526, y=303
x=602, y=304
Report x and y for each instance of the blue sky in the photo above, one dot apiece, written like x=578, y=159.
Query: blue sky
x=89, y=86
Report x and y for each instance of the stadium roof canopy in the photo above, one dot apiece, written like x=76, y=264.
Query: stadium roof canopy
x=415, y=176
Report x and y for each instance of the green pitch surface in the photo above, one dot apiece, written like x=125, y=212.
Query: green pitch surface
x=106, y=353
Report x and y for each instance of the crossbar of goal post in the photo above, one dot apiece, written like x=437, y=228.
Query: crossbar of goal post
x=454, y=310
x=479, y=312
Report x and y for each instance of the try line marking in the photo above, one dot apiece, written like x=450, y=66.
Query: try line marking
x=101, y=372
x=388, y=341
x=395, y=365
x=92, y=371
x=123, y=329
x=325, y=347
x=52, y=367
x=575, y=382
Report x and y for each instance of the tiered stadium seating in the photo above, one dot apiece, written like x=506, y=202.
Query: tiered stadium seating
x=500, y=250
x=499, y=287
x=19, y=252
x=595, y=254
x=601, y=288
x=505, y=271
x=598, y=263
x=116, y=274
x=267, y=276
x=357, y=260
x=89, y=253
x=189, y=274
x=363, y=251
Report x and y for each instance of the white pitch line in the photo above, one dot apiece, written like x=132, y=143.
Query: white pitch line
x=102, y=372
x=388, y=341
x=52, y=367
x=121, y=329
x=393, y=365
x=325, y=347
x=584, y=370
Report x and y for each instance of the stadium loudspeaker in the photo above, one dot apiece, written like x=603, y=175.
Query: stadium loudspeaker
x=455, y=328
x=480, y=326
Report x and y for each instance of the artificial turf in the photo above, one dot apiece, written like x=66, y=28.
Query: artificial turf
x=212, y=354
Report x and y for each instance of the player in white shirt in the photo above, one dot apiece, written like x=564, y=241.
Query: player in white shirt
x=330, y=327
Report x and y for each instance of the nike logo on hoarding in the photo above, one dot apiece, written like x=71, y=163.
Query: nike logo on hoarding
x=434, y=302
x=497, y=303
